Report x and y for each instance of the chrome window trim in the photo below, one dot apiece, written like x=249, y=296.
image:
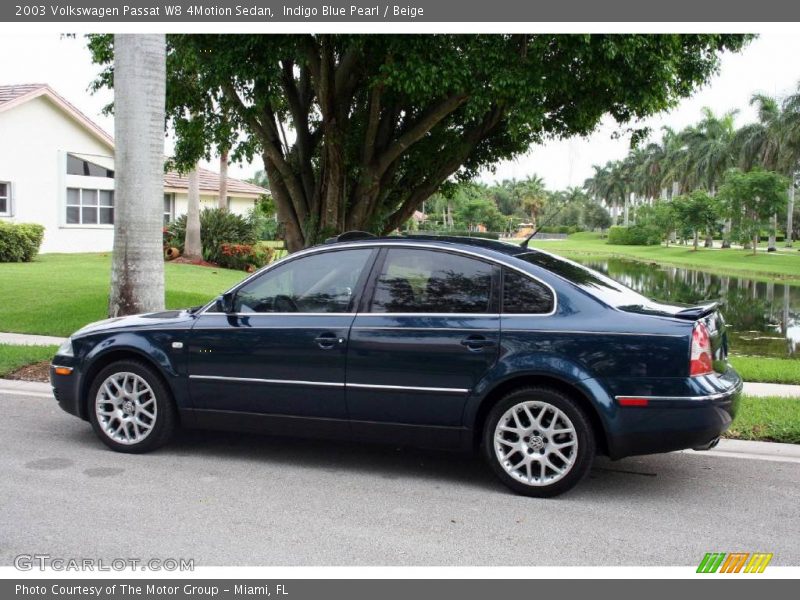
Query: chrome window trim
x=331, y=384
x=579, y=332
x=383, y=244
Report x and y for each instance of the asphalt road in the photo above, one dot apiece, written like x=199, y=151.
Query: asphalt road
x=230, y=499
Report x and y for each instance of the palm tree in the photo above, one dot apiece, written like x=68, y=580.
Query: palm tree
x=193, y=246
x=137, y=272
x=533, y=194
x=773, y=142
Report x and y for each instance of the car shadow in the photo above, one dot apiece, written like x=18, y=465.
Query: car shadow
x=607, y=479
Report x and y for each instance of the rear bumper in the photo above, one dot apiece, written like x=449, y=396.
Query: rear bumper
x=671, y=423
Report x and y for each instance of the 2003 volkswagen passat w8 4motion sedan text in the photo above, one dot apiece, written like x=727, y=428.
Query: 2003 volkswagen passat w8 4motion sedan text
x=440, y=342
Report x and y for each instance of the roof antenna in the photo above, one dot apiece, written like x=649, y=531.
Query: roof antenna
x=524, y=243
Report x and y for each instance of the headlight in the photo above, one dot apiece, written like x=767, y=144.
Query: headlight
x=65, y=349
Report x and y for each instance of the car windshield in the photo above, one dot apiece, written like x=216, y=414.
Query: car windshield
x=598, y=285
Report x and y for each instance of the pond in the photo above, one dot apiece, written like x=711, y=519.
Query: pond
x=763, y=317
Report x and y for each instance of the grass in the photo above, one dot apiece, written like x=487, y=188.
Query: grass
x=782, y=266
x=767, y=370
x=772, y=419
x=59, y=293
x=13, y=357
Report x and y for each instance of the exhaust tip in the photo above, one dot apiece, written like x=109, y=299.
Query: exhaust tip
x=712, y=444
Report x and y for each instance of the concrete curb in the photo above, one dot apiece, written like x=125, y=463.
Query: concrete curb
x=771, y=389
x=24, y=339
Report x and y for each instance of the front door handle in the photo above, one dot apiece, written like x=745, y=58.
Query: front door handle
x=477, y=342
x=326, y=341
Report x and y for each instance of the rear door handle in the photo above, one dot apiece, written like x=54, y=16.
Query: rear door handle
x=326, y=341
x=477, y=342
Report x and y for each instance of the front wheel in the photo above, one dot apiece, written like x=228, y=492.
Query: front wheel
x=539, y=442
x=130, y=407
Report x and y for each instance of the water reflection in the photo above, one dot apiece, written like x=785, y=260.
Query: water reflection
x=763, y=317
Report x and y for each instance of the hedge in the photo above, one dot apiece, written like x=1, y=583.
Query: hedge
x=634, y=235
x=20, y=242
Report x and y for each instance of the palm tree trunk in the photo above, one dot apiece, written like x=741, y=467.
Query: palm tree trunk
x=773, y=229
x=222, y=202
x=790, y=215
x=696, y=242
x=193, y=247
x=626, y=218
x=137, y=271
x=726, y=233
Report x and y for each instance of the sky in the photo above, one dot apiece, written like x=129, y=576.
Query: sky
x=767, y=65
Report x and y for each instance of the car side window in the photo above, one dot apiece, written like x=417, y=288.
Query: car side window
x=426, y=281
x=320, y=283
x=525, y=295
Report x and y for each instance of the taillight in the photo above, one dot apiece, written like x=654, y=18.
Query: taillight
x=700, y=361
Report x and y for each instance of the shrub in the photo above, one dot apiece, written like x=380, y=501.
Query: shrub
x=244, y=257
x=488, y=235
x=634, y=235
x=20, y=242
x=217, y=227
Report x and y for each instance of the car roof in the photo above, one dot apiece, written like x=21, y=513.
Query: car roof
x=436, y=240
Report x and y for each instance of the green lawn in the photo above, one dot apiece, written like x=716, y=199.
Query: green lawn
x=59, y=293
x=14, y=357
x=767, y=370
x=767, y=419
x=783, y=266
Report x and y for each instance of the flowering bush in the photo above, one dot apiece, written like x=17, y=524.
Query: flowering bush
x=244, y=257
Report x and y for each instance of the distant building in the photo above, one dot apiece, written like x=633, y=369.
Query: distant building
x=57, y=169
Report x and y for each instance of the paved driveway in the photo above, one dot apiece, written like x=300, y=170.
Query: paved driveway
x=230, y=499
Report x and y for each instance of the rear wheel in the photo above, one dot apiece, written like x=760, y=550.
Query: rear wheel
x=130, y=407
x=538, y=441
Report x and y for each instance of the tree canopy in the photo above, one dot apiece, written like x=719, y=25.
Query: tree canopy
x=356, y=131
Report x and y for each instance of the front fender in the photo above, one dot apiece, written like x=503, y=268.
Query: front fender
x=154, y=348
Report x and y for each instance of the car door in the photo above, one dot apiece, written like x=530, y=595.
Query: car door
x=281, y=350
x=427, y=335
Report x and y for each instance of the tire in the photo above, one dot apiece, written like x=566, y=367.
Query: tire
x=529, y=463
x=130, y=407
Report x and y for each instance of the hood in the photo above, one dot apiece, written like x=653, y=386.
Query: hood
x=133, y=322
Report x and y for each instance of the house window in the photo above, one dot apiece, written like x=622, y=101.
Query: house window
x=169, y=208
x=5, y=198
x=80, y=166
x=90, y=207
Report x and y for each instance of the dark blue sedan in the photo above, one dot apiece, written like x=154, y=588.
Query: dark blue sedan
x=452, y=343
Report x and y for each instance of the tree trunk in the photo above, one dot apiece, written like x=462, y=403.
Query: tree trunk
x=726, y=233
x=790, y=215
x=755, y=243
x=222, y=201
x=193, y=247
x=773, y=229
x=626, y=218
x=137, y=271
x=696, y=238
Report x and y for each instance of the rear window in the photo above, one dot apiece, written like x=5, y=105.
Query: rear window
x=592, y=282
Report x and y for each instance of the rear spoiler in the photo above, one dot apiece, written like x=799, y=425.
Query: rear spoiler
x=694, y=313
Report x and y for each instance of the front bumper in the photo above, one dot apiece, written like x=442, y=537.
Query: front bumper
x=669, y=423
x=66, y=387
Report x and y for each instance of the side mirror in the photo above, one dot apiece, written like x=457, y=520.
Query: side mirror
x=224, y=303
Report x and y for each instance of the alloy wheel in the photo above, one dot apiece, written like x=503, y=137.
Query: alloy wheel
x=126, y=408
x=535, y=443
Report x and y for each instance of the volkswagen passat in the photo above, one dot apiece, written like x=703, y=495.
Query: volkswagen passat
x=439, y=342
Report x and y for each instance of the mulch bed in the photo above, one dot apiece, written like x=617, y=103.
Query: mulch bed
x=36, y=372
x=186, y=261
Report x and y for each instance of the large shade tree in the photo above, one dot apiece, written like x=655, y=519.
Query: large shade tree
x=356, y=131
x=137, y=273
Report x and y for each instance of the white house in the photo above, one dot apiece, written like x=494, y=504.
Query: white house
x=57, y=169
